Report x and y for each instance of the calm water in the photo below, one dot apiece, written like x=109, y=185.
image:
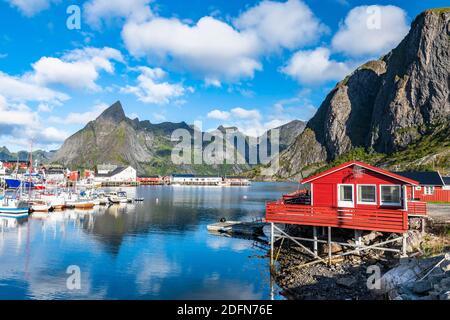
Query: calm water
x=158, y=249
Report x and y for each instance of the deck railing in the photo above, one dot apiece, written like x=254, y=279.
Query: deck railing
x=385, y=220
x=417, y=208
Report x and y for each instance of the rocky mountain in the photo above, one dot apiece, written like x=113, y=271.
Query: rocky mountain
x=288, y=132
x=116, y=139
x=40, y=156
x=387, y=107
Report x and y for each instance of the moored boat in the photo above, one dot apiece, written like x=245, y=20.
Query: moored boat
x=40, y=206
x=13, y=208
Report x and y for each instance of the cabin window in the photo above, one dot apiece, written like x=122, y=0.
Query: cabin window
x=367, y=194
x=428, y=190
x=390, y=195
x=345, y=195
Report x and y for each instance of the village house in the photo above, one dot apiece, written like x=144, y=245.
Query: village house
x=117, y=174
x=431, y=188
x=354, y=196
x=237, y=181
x=190, y=179
x=150, y=180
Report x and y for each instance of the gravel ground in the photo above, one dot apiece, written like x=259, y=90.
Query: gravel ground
x=440, y=213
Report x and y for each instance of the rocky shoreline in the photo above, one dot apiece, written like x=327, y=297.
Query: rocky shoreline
x=353, y=277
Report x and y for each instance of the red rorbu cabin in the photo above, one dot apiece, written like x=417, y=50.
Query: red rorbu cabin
x=353, y=195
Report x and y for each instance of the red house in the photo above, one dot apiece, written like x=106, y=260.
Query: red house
x=353, y=195
x=432, y=186
x=150, y=180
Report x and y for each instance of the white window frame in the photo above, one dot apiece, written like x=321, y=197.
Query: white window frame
x=426, y=189
x=346, y=204
x=364, y=202
x=392, y=204
x=418, y=188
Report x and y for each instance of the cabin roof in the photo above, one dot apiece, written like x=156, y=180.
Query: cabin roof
x=362, y=165
x=111, y=173
x=424, y=178
x=446, y=180
x=182, y=175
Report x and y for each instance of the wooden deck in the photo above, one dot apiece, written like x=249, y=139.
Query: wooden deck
x=383, y=220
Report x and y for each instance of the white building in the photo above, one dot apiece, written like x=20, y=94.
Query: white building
x=190, y=179
x=119, y=174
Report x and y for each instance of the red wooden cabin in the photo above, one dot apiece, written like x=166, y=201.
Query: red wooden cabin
x=353, y=195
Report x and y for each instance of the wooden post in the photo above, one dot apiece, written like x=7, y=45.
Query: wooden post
x=404, y=245
x=329, y=245
x=358, y=240
x=315, y=239
x=271, y=243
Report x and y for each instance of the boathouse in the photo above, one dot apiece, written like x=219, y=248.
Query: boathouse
x=355, y=196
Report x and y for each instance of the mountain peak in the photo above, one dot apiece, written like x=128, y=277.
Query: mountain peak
x=114, y=112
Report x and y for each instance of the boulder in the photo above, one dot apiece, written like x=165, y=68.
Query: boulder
x=347, y=282
x=445, y=296
x=422, y=287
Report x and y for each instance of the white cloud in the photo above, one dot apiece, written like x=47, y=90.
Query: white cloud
x=220, y=52
x=31, y=7
x=315, y=66
x=249, y=121
x=218, y=114
x=100, y=11
x=211, y=47
x=371, y=30
x=76, y=69
x=242, y=113
x=80, y=117
x=152, y=89
x=22, y=89
x=19, y=122
x=289, y=24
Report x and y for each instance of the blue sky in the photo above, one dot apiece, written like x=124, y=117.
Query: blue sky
x=253, y=64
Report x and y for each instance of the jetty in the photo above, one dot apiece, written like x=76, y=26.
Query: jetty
x=238, y=227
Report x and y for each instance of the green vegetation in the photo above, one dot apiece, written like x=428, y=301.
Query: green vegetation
x=436, y=144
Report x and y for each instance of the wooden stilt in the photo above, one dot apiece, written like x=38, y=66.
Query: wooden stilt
x=315, y=239
x=358, y=240
x=405, y=235
x=329, y=245
x=271, y=243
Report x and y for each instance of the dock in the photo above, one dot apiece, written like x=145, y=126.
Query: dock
x=238, y=227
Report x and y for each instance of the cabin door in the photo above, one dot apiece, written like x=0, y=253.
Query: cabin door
x=346, y=195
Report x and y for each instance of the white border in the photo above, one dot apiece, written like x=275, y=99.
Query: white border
x=339, y=195
x=391, y=204
x=364, y=202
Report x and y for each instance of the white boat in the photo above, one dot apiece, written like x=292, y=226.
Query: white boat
x=13, y=208
x=57, y=202
x=38, y=205
x=118, y=197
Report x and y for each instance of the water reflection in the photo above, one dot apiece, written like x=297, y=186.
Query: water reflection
x=157, y=249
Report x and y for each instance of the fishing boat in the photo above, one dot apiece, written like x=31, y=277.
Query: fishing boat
x=38, y=205
x=74, y=201
x=57, y=202
x=118, y=197
x=13, y=208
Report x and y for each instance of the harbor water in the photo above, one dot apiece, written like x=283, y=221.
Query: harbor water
x=156, y=249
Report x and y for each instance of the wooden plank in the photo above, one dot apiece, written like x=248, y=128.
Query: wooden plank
x=361, y=219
